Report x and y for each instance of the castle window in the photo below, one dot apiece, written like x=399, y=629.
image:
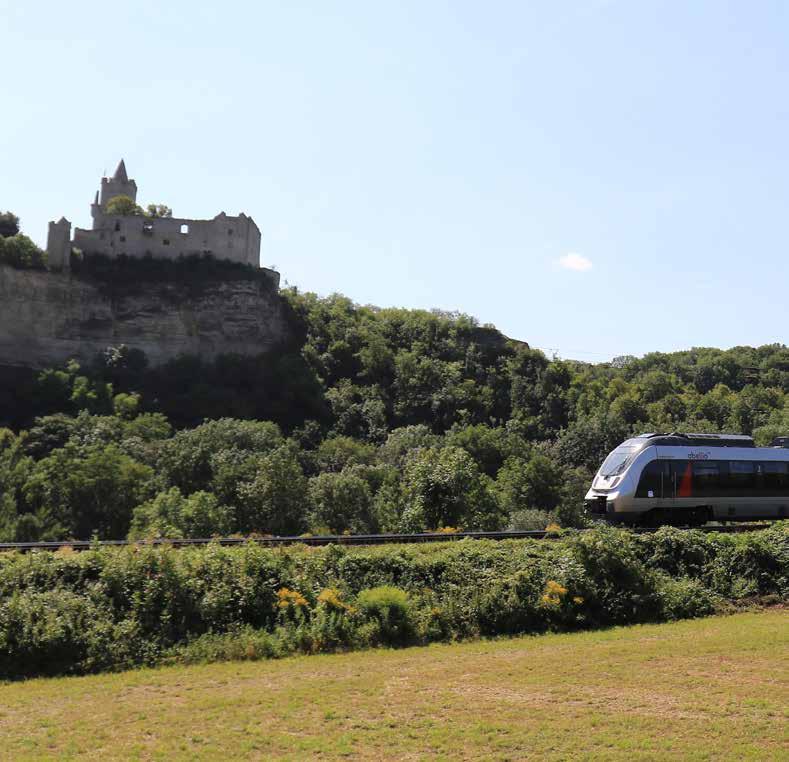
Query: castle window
x=117, y=226
x=166, y=241
x=147, y=228
x=184, y=229
x=230, y=231
x=123, y=239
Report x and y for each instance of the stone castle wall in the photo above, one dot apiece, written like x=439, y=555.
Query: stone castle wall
x=47, y=318
x=234, y=238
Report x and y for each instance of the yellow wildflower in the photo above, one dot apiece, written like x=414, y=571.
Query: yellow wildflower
x=287, y=598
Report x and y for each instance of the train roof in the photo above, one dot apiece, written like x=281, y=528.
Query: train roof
x=677, y=439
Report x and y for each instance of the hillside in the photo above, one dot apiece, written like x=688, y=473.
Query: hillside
x=367, y=420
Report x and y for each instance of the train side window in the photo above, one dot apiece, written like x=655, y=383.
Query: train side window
x=649, y=483
x=775, y=479
x=706, y=478
x=742, y=477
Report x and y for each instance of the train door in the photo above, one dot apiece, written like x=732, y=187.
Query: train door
x=665, y=491
x=678, y=484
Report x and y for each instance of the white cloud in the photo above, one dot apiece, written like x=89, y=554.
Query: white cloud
x=573, y=261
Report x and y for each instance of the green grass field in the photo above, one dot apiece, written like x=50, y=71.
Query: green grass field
x=712, y=689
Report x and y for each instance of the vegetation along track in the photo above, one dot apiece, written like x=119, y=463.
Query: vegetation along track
x=352, y=539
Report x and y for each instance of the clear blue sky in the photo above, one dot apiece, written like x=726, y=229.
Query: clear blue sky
x=438, y=154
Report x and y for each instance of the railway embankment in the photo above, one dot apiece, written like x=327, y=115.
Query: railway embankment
x=68, y=612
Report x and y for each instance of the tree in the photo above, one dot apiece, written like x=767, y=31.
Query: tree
x=20, y=252
x=126, y=405
x=158, y=210
x=15, y=469
x=9, y=224
x=82, y=491
x=48, y=433
x=186, y=459
x=444, y=487
x=71, y=390
x=535, y=483
x=488, y=446
x=336, y=453
x=342, y=502
x=123, y=206
x=277, y=500
x=628, y=409
x=401, y=442
x=170, y=514
x=587, y=441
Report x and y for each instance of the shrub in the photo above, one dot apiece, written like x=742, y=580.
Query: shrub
x=618, y=588
x=529, y=519
x=68, y=613
x=390, y=610
x=684, y=598
x=510, y=605
x=332, y=625
x=756, y=564
x=59, y=631
x=242, y=644
x=677, y=552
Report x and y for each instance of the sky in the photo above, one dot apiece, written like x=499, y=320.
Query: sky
x=595, y=178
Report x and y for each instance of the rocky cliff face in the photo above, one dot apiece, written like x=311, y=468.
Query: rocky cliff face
x=47, y=318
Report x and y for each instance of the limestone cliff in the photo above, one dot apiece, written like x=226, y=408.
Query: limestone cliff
x=47, y=318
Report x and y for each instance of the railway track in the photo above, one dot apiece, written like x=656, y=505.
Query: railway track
x=353, y=539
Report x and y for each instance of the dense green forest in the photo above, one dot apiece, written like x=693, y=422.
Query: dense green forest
x=371, y=420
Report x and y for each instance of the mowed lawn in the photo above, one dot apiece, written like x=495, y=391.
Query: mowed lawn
x=714, y=689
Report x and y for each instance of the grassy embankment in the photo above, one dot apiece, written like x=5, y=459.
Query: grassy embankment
x=716, y=688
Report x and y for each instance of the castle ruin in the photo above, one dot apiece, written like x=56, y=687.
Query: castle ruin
x=236, y=239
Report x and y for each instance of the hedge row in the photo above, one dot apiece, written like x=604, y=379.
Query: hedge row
x=69, y=613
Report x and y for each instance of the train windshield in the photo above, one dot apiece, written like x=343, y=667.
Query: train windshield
x=621, y=458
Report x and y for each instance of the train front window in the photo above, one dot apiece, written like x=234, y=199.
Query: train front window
x=620, y=459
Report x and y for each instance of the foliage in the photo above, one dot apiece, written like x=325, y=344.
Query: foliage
x=341, y=503
x=444, y=487
x=189, y=459
x=79, y=492
x=276, y=500
x=123, y=206
x=381, y=419
x=9, y=224
x=158, y=210
x=20, y=252
x=532, y=483
x=70, y=612
x=170, y=514
x=389, y=610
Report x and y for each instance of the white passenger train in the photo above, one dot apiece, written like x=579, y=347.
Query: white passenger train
x=690, y=479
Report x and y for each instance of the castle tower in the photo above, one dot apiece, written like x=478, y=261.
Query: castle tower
x=117, y=185
x=59, y=245
x=95, y=212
